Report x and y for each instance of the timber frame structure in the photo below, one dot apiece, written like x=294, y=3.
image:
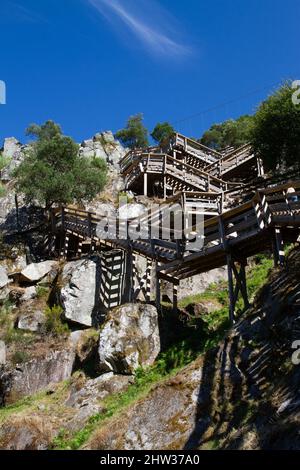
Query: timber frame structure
x=240, y=220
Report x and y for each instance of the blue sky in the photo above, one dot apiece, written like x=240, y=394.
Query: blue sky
x=89, y=64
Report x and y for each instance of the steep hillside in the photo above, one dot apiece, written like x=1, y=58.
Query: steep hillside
x=243, y=394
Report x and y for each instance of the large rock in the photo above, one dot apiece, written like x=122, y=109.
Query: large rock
x=14, y=151
x=103, y=145
x=129, y=339
x=11, y=146
x=34, y=272
x=78, y=296
x=31, y=321
x=4, y=282
x=86, y=399
x=131, y=211
x=29, y=293
x=37, y=374
x=2, y=353
x=4, y=279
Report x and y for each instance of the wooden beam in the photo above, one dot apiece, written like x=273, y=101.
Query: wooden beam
x=279, y=256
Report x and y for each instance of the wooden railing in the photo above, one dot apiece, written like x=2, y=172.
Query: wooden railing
x=164, y=164
x=273, y=207
x=230, y=161
x=195, y=148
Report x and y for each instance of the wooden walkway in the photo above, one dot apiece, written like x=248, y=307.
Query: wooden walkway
x=193, y=181
x=269, y=220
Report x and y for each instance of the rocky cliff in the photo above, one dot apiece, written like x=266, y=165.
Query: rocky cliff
x=241, y=394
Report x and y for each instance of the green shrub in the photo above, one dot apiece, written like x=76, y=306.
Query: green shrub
x=2, y=190
x=54, y=324
x=20, y=357
x=41, y=292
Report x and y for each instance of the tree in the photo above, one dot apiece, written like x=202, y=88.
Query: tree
x=52, y=171
x=231, y=133
x=162, y=132
x=135, y=134
x=276, y=130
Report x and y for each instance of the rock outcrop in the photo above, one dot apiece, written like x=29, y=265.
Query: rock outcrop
x=103, y=145
x=2, y=353
x=243, y=394
x=32, y=321
x=13, y=150
x=26, y=433
x=129, y=338
x=34, y=375
x=4, y=280
x=79, y=296
x=34, y=272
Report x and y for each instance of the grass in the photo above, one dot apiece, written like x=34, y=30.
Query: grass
x=190, y=341
x=54, y=324
x=175, y=357
x=32, y=402
x=42, y=292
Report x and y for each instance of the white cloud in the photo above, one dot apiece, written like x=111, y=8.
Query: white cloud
x=154, y=33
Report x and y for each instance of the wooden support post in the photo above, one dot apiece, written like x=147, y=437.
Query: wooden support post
x=79, y=248
x=89, y=225
x=158, y=293
x=53, y=222
x=148, y=280
x=175, y=298
x=62, y=218
x=65, y=247
x=279, y=256
x=230, y=289
x=52, y=244
x=240, y=286
x=145, y=184
x=129, y=280
x=93, y=246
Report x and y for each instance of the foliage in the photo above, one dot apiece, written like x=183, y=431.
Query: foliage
x=53, y=172
x=4, y=161
x=231, y=133
x=135, y=134
x=54, y=324
x=42, y=292
x=276, y=130
x=2, y=190
x=162, y=132
x=19, y=357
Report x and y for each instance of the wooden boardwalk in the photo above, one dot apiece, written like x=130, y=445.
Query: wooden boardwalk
x=193, y=181
x=269, y=220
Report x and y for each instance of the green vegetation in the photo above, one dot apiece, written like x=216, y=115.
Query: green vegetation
x=54, y=324
x=162, y=132
x=52, y=171
x=135, y=134
x=2, y=190
x=42, y=292
x=32, y=402
x=4, y=161
x=176, y=356
x=19, y=357
x=231, y=133
x=276, y=131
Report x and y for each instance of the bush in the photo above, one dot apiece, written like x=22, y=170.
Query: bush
x=53, y=172
x=20, y=356
x=135, y=134
x=276, y=130
x=54, y=324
